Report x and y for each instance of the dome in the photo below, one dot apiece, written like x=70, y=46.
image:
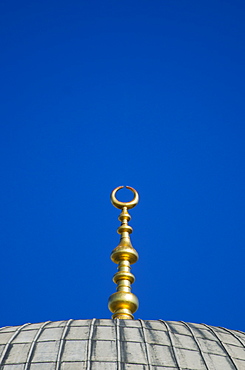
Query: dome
x=121, y=343
x=103, y=344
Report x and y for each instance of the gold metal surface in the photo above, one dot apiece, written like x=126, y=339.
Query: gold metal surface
x=119, y=204
x=123, y=303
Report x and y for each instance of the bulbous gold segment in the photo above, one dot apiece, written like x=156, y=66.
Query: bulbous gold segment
x=123, y=303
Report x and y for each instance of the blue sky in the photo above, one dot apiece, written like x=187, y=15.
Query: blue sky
x=100, y=94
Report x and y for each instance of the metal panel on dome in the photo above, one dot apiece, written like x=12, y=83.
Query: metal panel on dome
x=121, y=345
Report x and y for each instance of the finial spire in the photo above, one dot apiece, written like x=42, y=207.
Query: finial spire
x=123, y=303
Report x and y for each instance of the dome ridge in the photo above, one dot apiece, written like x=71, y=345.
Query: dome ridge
x=120, y=344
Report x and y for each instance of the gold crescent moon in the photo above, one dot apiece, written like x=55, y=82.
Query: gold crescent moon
x=116, y=203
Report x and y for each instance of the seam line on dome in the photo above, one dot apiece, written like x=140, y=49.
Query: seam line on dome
x=62, y=342
x=4, y=327
x=146, y=344
x=118, y=345
x=9, y=342
x=222, y=345
x=197, y=343
x=89, y=350
x=172, y=343
x=239, y=331
x=32, y=348
x=234, y=335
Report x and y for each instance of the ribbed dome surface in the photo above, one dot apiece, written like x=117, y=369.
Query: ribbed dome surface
x=122, y=345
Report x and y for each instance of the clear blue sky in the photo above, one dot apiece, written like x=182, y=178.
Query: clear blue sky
x=97, y=94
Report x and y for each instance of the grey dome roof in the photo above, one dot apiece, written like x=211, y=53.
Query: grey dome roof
x=120, y=345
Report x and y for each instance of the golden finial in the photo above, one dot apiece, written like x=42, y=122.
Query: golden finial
x=123, y=303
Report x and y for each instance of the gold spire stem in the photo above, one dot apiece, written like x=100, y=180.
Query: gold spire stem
x=123, y=303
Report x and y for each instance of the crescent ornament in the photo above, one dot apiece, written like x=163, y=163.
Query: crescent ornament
x=116, y=203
